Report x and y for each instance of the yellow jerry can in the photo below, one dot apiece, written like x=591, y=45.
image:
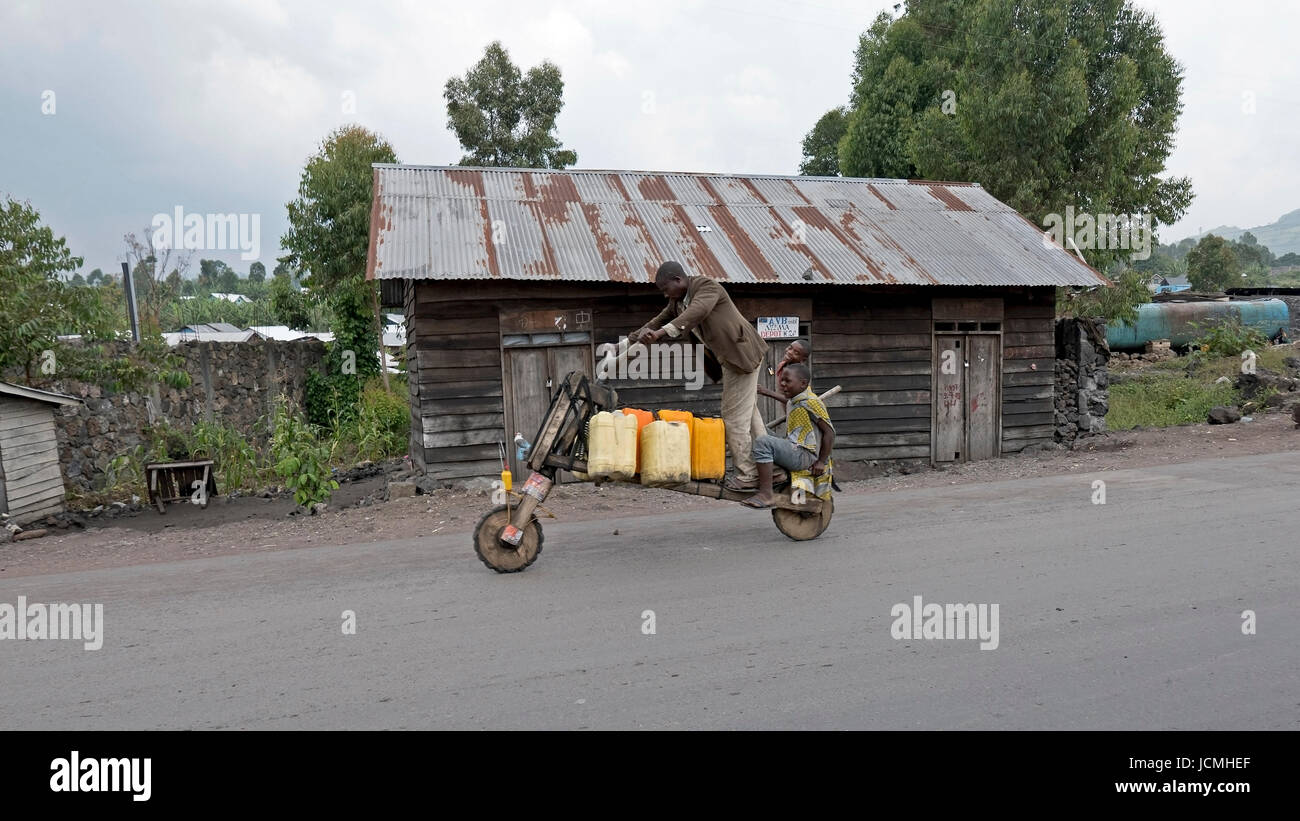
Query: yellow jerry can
x=611, y=446
x=665, y=453
x=708, y=449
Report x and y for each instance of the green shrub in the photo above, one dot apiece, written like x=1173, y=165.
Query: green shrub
x=236, y=460
x=1228, y=338
x=299, y=457
x=166, y=443
x=383, y=423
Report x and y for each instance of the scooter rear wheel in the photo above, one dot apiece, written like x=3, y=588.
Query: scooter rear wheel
x=803, y=526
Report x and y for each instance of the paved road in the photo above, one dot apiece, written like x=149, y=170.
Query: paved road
x=1117, y=616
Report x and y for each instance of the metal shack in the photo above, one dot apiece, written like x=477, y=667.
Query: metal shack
x=31, y=482
x=931, y=303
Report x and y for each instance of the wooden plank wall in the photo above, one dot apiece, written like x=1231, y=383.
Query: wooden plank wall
x=1028, y=368
x=875, y=344
x=33, y=484
x=877, y=347
x=457, y=409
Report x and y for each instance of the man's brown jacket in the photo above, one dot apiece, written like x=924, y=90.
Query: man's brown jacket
x=728, y=335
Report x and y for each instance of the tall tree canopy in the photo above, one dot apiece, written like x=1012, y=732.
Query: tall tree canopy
x=507, y=119
x=821, y=147
x=1045, y=103
x=36, y=304
x=1212, y=265
x=328, y=237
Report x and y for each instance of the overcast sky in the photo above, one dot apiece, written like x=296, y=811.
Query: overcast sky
x=214, y=106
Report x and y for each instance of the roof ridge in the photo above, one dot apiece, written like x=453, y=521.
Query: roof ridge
x=645, y=172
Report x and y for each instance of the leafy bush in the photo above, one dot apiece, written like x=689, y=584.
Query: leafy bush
x=299, y=457
x=236, y=459
x=383, y=423
x=1118, y=302
x=125, y=473
x=1228, y=338
x=167, y=444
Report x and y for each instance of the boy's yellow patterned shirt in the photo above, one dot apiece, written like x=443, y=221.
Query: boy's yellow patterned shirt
x=802, y=430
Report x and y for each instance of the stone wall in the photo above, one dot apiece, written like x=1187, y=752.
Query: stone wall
x=234, y=383
x=1082, y=380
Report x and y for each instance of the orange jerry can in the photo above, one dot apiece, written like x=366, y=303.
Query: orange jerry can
x=643, y=418
x=685, y=417
x=677, y=416
x=708, y=449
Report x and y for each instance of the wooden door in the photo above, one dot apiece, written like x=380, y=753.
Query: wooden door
x=948, y=432
x=967, y=397
x=532, y=376
x=767, y=407
x=527, y=401
x=983, y=363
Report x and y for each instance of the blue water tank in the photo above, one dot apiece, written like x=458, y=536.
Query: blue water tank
x=1182, y=322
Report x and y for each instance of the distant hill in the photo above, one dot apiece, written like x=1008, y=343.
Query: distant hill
x=1281, y=237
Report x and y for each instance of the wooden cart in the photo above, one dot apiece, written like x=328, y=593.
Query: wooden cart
x=508, y=538
x=192, y=481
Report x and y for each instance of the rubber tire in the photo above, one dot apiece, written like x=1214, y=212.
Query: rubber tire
x=804, y=526
x=499, y=556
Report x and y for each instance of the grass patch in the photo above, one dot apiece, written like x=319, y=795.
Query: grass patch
x=1163, y=399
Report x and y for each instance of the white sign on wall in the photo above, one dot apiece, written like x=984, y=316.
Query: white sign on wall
x=778, y=327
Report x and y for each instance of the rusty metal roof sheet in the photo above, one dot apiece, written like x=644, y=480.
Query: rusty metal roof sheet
x=453, y=222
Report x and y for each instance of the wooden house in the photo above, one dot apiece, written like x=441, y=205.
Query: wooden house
x=931, y=304
x=31, y=483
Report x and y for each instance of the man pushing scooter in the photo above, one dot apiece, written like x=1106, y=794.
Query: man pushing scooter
x=699, y=307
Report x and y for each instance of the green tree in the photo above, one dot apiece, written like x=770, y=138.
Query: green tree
x=1045, y=103
x=257, y=272
x=821, y=146
x=504, y=118
x=288, y=305
x=1250, y=253
x=328, y=239
x=228, y=281
x=36, y=304
x=1211, y=265
x=95, y=277
x=1119, y=302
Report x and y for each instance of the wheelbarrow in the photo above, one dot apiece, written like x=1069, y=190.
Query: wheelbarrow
x=508, y=538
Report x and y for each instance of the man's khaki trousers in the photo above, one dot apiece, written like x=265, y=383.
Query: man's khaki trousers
x=743, y=422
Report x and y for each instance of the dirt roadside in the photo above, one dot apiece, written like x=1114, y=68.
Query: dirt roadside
x=253, y=524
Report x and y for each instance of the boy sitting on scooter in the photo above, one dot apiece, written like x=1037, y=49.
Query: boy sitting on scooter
x=806, y=449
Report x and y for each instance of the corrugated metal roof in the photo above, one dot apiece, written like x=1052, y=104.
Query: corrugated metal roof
x=24, y=392
x=435, y=222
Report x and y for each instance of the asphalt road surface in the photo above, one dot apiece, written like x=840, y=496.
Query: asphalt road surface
x=1123, y=615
